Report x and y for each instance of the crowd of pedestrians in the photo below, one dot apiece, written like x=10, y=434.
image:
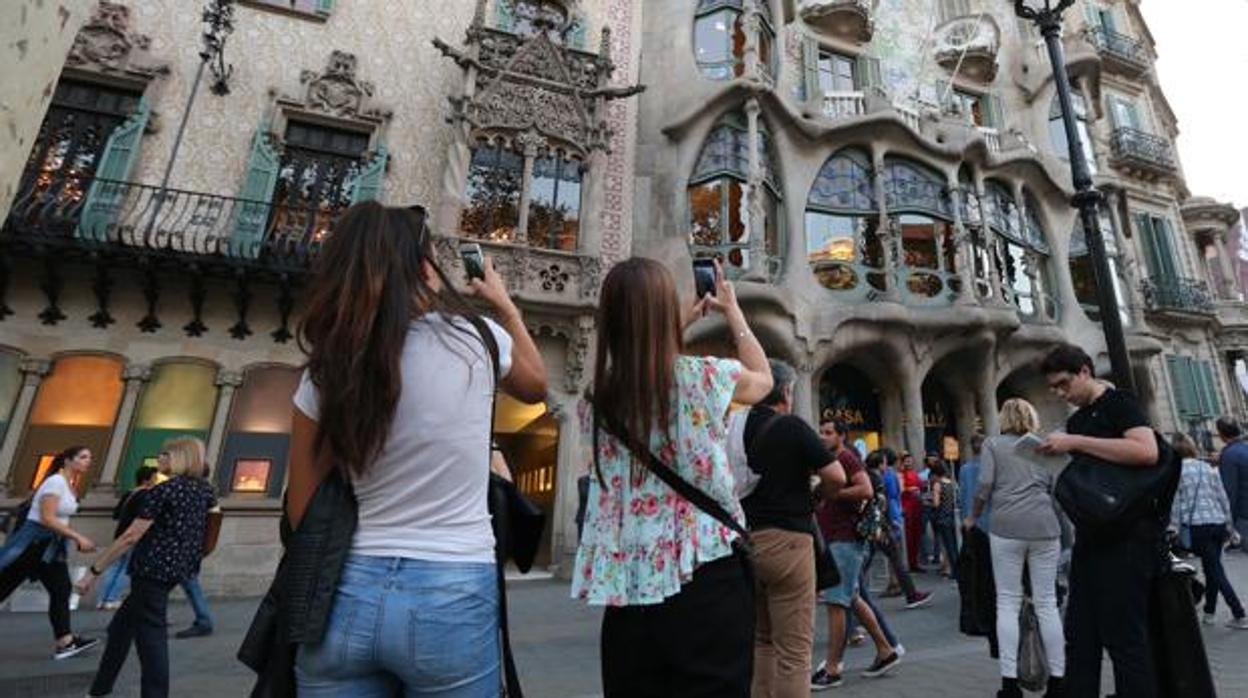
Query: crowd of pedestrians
x=713, y=522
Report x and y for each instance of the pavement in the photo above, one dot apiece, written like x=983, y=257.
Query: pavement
x=556, y=643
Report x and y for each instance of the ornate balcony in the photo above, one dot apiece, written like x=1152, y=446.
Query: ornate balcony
x=848, y=19
x=842, y=105
x=1121, y=54
x=969, y=46
x=1141, y=154
x=1177, y=295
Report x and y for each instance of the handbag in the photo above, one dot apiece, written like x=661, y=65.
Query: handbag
x=1178, y=647
x=212, y=531
x=1185, y=526
x=1110, y=498
x=1033, y=662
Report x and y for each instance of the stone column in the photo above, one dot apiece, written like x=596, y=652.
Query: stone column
x=986, y=396
x=35, y=37
x=965, y=254
x=227, y=383
x=804, y=394
x=570, y=465
x=888, y=237
x=135, y=376
x=758, y=262
x=529, y=143
x=994, y=274
x=33, y=372
x=1230, y=288
x=912, y=396
x=966, y=421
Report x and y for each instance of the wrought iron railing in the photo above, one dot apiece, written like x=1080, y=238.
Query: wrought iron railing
x=1177, y=294
x=1120, y=46
x=1130, y=143
x=73, y=211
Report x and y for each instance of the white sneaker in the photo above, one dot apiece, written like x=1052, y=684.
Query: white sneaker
x=1238, y=624
x=1207, y=618
x=900, y=649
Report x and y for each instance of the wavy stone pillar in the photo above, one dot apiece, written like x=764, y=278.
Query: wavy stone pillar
x=804, y=394
x=33, y=373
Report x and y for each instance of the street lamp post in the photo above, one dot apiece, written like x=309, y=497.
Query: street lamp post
x=1047, y=14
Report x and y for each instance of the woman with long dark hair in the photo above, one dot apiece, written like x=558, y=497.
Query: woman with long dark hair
x=397, y=396
x=680, y=604
x=167, y=537
x=38, y=547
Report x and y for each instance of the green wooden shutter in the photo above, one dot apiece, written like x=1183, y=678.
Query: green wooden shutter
x=1166, y=247
x=368, y=182
x=504, y=15
x=1148, y=237
x=1211, y=405
x=263, y=167
x=870, y=77
x=108, y=189
x=1092, y=14
x=994, y=112
x=324, y=7
x=578, y=33
x=1186, y=394
x=810, y=70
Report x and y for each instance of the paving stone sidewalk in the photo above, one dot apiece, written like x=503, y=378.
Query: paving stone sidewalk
x=557, y=649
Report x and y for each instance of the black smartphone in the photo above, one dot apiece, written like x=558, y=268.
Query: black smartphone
x=474, y=259
x=704, y=277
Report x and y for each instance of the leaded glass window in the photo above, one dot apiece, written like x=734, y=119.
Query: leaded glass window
x=555, y=208
x=843, y=244
x=1083, y=275
x=971, y=210
x=495, y=183
x=719, y=213
x=912, y=187
x=719, y=39
x=1022, y=256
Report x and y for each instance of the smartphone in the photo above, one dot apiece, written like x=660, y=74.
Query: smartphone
x=474, y=259
x=704, y=277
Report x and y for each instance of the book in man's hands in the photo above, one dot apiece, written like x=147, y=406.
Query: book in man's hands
x=1028, y=446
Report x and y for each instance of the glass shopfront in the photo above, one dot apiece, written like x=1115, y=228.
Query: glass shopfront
x=847, y=395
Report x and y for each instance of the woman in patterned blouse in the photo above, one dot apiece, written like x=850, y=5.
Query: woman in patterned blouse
x=168, y=538
x=680, y=610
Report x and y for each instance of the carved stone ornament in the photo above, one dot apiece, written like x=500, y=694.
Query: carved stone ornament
x=107, y=44
x=338, y=91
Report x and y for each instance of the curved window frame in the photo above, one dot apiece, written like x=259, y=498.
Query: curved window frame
x=728, y=60
x=971, y=210
x=723, y=171
x=1078, y=254
x=915, y=196
x=1023, y=256
x=843, y=195
x=1057, y=131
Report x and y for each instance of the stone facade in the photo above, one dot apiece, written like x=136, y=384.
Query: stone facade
x=882, y=177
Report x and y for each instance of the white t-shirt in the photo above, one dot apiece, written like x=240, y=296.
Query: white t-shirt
x=425, y=495
x=56, y=485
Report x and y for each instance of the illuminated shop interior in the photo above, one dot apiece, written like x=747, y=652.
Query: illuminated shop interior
x=179, y=399
x=529, y=438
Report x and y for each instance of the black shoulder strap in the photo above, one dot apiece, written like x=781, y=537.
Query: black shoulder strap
x=695, y=496
x=510, y=675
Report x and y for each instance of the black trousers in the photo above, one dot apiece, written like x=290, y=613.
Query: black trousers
x=1207, y=542
x=141, y=620
x=54, y=576
x=1110, y=586
x=697, y=644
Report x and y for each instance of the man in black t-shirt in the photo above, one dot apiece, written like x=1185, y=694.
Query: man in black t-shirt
x=1111, y=577
x=786, y=451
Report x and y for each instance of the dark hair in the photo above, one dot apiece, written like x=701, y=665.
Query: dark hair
x=977, y=443
x=875, y=460
x=1066, y=358
x=639, y=337
x=939, y=469
x=837, y=425
x=1228, y=428
x=890, y=456
x=144, y=473
x=58, y=463
x=782, y=376
x=367, y=285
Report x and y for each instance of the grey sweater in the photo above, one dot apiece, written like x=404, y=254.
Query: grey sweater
x=1019, y=491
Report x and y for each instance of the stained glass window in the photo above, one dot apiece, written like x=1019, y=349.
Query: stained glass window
x=911, y=187
x=844, y=184
x=842, y=225
x=1001, y=210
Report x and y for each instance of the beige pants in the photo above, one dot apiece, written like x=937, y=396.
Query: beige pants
x=784, y=567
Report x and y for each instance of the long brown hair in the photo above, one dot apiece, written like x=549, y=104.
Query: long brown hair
x=639, y=337
x=367, y=287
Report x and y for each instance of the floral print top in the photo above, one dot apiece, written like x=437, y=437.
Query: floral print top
x=641, y=540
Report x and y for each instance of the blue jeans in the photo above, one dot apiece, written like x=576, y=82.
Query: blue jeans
x=864, y=593
x=849, y=556
x=116, y=579
x=407, y=627
x=199, y=602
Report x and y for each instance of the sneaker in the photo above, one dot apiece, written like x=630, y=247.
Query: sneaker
x=822, y=680
x=110, y=605
x=920, y=599
x=1237, y=624
x=882, y=666
x=900, y=649
x=193, y=631
x=1207, y=618
x=76, y=646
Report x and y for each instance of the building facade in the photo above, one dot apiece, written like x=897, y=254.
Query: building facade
x=886, y=180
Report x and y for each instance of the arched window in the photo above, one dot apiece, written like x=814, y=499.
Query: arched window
x=719, y=214
x=719, y=39
x=921, y=212
x=495, y=183
x=843, y=243
x=76, y=405
x=1022, y=254
x=253, y=459
x=179, y=399
x=1057, y=130
x=1083, y=275
x=971, y=209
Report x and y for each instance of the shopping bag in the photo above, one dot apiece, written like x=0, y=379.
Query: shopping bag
x=1033, y=662
x=1178, y=648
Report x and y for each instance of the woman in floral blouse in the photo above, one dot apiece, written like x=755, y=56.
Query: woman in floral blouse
x=680, y=610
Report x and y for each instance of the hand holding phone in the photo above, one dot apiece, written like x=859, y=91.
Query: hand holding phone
x=474, y=260
x=704, y=281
